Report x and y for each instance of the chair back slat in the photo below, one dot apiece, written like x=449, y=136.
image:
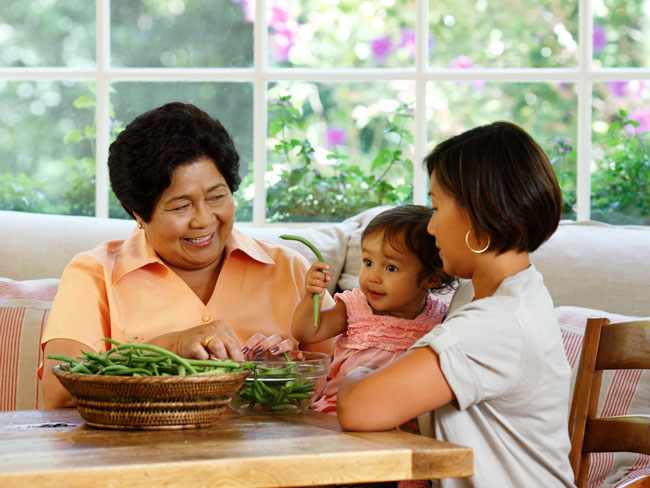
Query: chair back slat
x=624, y=345
x=618, y=434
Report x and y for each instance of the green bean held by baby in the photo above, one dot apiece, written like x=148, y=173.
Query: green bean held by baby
x=132, y=359
x=319, y=256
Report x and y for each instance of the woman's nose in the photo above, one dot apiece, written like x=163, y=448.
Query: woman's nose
x=201, y=217
x=431, y=227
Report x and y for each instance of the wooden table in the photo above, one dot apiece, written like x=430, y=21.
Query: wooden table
x=55, y=448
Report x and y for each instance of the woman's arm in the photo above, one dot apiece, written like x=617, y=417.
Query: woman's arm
x=54, y=394
x=396, y=393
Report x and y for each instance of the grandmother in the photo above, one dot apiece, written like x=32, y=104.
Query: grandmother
x=185, y=279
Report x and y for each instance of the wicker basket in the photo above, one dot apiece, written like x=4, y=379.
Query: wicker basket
x=151, y=402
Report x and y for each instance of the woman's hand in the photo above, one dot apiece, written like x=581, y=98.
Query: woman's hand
x=214, y=339
x=259, y=343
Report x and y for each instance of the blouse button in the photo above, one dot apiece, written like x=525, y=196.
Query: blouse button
x=206, y=318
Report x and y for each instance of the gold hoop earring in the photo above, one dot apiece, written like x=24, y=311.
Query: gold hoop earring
x=471, y=248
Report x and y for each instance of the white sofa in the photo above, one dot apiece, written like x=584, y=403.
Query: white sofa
x=589, y=268
x=584, y=264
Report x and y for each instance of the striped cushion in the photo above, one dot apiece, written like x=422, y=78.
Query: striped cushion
x=24, y=306
x=623, y=392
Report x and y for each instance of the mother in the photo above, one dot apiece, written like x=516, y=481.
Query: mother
x=185, y=279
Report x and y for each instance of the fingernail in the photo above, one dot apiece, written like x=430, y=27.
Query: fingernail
x=274, y=349
x=257, y=350
x=244, y=349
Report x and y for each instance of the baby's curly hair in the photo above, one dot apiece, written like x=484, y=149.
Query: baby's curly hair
x=406, y=226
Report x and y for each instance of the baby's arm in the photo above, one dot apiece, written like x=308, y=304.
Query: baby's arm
x=331, y=321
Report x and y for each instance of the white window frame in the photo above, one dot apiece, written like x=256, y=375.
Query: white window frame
x=260, y=75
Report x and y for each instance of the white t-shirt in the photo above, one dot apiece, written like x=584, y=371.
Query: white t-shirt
x=504, y=360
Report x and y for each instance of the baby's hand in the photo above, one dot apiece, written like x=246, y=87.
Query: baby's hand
x=316, y=280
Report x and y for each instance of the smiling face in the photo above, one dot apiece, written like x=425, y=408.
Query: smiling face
x=193, y=217
x=389, y=278
x=449, y=224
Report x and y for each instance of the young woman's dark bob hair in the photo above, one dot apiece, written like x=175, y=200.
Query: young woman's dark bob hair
x=145, y=154
x=405, y=226
x=504, y=180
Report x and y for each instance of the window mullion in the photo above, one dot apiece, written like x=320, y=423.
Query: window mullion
x=420, y=136
x=102, y=111
x=259, y=114
x=583, y=183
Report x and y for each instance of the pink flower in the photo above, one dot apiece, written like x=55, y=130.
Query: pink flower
x=380, y=48
x=408, y=41
x=599, y=38
x=248, y=9
x=284, y=41
x=641, y=115
x=465, y=62
x=461, y=62
x=617, y=88
x=283, y=27
x=335, y=136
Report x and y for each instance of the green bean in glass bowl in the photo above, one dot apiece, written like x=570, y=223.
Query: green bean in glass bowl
x=289, y=382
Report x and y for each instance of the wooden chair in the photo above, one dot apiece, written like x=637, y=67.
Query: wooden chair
x=624, y=345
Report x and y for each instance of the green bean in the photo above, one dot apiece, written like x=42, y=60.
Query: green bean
x=80, y=368
x=149, y=347
x=61, y=357
x=319, y=256
x=144, y=360
x=271, y=392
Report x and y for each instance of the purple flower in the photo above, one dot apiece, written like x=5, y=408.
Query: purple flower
x=407, y=41
x=465, y=62
x=283, y=27
x=248, y=9
x=642, y=116
x=284, y=41
x=380, y=48
x=335, y=136
x=599, y=38
x=461, y=62
x=617, y=88
x=277, y=16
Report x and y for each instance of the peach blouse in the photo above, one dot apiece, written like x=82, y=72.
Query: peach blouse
x=122, y=289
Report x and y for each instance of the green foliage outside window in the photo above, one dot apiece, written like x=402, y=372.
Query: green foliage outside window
x=306, y=191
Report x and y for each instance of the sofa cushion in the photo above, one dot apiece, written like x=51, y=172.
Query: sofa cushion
x=24, y=307
x=624, y=392
x=47, y=243
x=600, y=266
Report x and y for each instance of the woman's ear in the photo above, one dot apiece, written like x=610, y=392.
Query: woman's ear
x=139, y=220
x=431, y=281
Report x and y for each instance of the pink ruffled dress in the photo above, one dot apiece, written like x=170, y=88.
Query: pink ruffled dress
x=373, y=340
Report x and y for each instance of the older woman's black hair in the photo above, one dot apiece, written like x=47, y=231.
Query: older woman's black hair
x=504, y=180
x=145, y=154
x=406, y=226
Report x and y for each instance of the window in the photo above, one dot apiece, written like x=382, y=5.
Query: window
x=332, y=104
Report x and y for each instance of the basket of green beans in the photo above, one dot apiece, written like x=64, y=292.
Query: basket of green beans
x=286, y=383
x=144, y=387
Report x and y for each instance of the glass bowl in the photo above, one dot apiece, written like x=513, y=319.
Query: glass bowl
x=290, y=382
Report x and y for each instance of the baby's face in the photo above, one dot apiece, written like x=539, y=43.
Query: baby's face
x=389, y=278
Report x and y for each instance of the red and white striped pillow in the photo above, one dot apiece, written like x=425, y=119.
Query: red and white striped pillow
x=624, y=392
x=24, y=307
